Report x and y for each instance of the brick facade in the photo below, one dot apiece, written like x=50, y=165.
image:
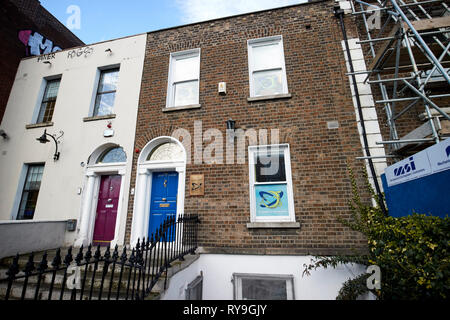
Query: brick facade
x=17, y=15
x=320, y=93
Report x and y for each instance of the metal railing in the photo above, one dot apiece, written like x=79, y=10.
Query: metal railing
x=108, y=275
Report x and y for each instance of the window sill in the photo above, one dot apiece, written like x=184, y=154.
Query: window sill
x=39, y=125
x=271, y=97
x=95, y=118
x=273, y=225
x=187, y=107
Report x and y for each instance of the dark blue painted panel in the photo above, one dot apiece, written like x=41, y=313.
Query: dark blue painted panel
x=426, y=195
x=163, y=201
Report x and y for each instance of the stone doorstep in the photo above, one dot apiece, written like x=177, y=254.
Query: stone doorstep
x=16, y=293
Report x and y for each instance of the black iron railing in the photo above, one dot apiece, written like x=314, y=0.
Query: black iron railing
x=96, y=273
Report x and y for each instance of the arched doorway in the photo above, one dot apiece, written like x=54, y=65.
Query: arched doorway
x=102, y=196
x=160, y=184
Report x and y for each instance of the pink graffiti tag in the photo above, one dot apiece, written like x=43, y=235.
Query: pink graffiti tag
x=35, y=44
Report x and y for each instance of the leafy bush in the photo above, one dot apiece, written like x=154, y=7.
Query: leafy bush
x=413, y=253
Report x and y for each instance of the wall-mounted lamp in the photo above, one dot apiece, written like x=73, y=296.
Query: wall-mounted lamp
x=108, y=50
x=43, y=139
x=48, y=62
x=231, y=126
x=3, y=134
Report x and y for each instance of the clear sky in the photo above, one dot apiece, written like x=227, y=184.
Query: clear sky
x=101, y=20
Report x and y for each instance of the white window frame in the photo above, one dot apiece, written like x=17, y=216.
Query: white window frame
x=251, y=68
x=192, y=53
x=98, y=78
x=237, y=283
x=252, y=151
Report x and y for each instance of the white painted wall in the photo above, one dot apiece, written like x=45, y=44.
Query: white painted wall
x=218, y=269
x=58, y=197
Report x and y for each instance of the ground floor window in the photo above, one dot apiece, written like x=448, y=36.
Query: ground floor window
x=30, y=192
x=194, y=290
x=263, y=287
x=271, y=196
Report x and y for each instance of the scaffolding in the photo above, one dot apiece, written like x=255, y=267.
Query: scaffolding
x=407, y=42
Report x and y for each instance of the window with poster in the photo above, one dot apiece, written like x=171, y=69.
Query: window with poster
x=271, y=196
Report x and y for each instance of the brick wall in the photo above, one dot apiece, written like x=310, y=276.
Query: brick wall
x=17, y=15
x=319, y=156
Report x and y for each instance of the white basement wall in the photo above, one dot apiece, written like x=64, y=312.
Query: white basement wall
x=218, y=269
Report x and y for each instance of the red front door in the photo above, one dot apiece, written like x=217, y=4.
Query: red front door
x=108, y=200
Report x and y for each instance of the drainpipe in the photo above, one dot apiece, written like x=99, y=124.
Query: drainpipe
x=339, y=13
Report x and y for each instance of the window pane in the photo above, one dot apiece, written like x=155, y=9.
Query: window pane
x=271, y=200
x=46, y=112
x=266, y=56
x=113, y=155
x=270, y=167
x=48, y=101
x=185, y=93
x=30, y=192
x=186, y=69
x=264, y=289
x=108, y=80
x=51, y=91
x=104, y=104
x=267, y=82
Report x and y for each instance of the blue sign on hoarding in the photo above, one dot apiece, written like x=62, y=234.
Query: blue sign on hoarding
x=420, y=183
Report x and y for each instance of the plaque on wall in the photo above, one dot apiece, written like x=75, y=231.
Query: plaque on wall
x=197, y=185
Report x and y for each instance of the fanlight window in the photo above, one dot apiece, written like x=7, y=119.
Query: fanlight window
x=166, y=151
x=112, y=155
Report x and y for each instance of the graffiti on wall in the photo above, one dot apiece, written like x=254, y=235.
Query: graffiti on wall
x=86, y=51
x=36, y=44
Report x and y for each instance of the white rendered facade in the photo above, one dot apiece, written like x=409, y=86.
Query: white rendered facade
x=69, y=185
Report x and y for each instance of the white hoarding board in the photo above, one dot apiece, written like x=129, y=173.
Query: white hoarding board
x=434, y=159
x=411, y=168
x=439, y=156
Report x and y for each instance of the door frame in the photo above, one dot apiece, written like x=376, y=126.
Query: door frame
x=141, y=214
x=90, y=201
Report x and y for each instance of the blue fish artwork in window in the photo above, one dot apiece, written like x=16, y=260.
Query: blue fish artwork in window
x=271, y=200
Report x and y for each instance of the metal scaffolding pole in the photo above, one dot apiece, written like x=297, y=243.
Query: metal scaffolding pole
x=393, y=54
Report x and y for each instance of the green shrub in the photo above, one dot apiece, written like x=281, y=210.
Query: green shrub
x=413, y=253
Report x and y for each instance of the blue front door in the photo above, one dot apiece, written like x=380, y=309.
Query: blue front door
x=163, y=203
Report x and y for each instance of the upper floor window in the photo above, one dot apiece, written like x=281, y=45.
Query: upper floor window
x=30, y=192
x=184, y=78
x=106, y=92
x=267, y=71
x=48, y=101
